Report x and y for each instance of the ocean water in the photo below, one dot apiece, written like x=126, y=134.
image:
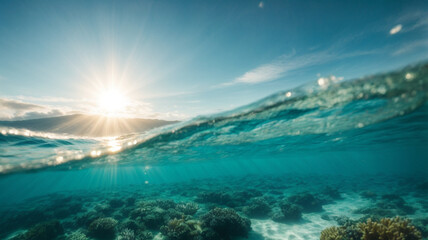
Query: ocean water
x=329, y=153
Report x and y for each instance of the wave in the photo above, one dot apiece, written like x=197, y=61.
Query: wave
x=317, y=113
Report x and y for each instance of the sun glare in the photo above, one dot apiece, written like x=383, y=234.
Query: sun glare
x=112, y=102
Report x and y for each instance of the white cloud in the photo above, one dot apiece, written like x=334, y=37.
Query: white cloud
x=412, y=46
x=11, y=109
x=266, y=72
x=280, y=66
x=395, y=29
x=416, y=20
x=287, y=63
x=261, y=5
x=16, y=109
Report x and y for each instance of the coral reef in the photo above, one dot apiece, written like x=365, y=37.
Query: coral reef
x=42, y=231
x=126, y=234
x=103, y=228
x=149, y=214
x=389, y=229
x=291, y=212
x=226, y=223
x=187, y=208
x=258, y=208
x=77, y=236
x=332, y=233
x=139, y=215
x=389, y=205
x=181, y=229
x=385, y=229
x=307, y=201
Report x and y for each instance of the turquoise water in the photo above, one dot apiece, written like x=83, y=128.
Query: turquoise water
x=351, y=137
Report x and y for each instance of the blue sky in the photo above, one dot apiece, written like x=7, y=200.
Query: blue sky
x=179, y=59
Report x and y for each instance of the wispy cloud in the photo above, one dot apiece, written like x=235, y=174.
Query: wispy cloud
x=280, y=66
x=412, y=46
x=11, y=109
x=416, y=20
x=17, y=109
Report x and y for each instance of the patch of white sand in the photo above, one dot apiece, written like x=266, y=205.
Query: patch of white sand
x=312, y=224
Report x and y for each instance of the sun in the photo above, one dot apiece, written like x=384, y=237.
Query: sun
x=112, y=102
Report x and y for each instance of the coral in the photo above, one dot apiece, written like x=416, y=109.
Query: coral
x=116, y=203
x=226, y=222
x=165, y=204
x=328, y=195
x=242, y=197
x=12, y=220
x=87, y=218
x=389, y=229
x=307, y=201
x=258, y=208
x=103, y=208
x=172, y=213
x=210, y=234
x=150, y=215
x=291, y=212
x=385, y=229
x=126, y=234
x=103, y=228
x=77, y=236
x=189, y=208
x=181, y=229
x=390, y=205
x=332, y=233
x=397, y=203
x=42, y=231
x=146, y=235
x=132, y=225
x=422, y=225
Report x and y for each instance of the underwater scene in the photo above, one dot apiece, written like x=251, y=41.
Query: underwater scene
x=329, y=160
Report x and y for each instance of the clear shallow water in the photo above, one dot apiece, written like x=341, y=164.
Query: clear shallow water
x=368, y=134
